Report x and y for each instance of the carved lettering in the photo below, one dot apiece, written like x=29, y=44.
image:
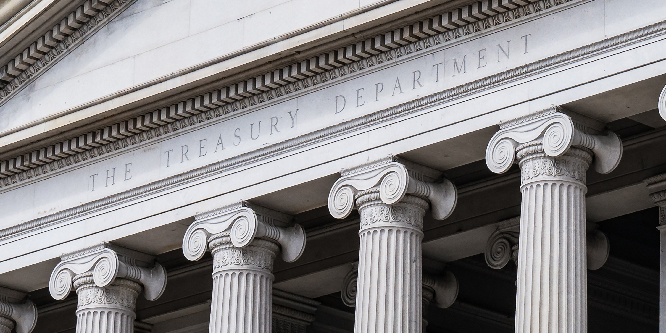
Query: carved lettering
x=482, y=58
x=525, y=38
x=397, y=86
x=379, y=87
x=460, y=69
x=184, y=149
x=293, y=118
x=112, y=177
x=127, y=171
x=168, y=154
x=416, y=79
x=339, y=109
x=202, y=142
x=252, y=131
x=220, y=144
x=93, y=181
x=436, y=66
x=501, y=49
x=274, y=122
x=237, y=136
x=359, y=97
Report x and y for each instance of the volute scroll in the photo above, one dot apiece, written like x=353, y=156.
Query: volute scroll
x=107, y=263
x=243, y=223
x=394, y=182
x=557, y=133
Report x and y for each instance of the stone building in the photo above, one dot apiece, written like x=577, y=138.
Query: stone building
x=332, y=166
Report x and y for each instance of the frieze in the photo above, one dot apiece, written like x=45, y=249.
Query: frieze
x=310, y=72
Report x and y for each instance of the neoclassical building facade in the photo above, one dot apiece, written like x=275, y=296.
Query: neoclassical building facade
x=328, y=166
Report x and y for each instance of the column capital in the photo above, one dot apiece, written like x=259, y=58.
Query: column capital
x=17, y=313
x=395, y=178
x=242, y=222
x=502, y=246
x=552, y=133
x=106, y=263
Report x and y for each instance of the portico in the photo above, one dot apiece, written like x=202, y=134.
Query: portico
x=389, y=166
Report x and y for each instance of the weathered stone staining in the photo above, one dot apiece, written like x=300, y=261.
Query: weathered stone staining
x=553, y=152
x=244, y=240
x=392, y=197
x=17, y=313
x=107, y=280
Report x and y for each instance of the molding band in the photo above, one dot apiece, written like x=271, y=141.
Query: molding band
x=315, y=137
x=329, y=66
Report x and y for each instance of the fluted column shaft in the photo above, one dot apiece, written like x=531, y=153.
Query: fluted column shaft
x=242, y=286
x=389, y=292
x=552, y=269
x=109, y=309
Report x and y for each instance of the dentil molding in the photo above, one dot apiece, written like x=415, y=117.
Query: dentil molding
x=29, y=167
x=330, y=66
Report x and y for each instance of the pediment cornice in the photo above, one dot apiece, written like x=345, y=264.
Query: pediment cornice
x=282, y=83
x=74, y=29
x=200, y=109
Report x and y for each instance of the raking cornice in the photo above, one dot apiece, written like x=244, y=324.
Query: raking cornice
x=57, y=43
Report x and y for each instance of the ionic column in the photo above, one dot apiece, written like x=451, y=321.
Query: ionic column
x=244, y=240
x=392, y=198
x=657, y=187
x=17, y=313
x=553, y=153
x=107, y=280
x=440, y=288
